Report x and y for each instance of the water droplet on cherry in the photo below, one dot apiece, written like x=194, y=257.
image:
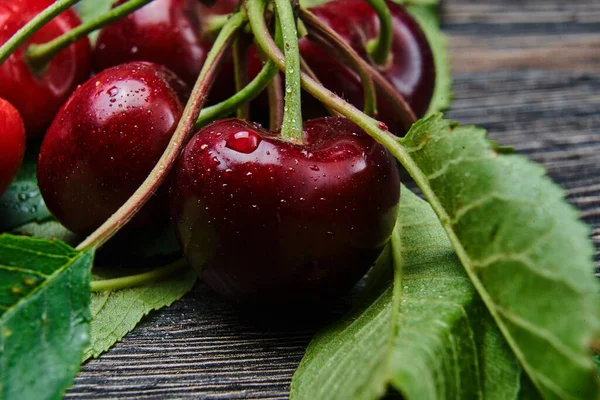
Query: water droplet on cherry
x=244, y=142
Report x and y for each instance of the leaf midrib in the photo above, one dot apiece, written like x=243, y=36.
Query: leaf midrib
x=420, y=178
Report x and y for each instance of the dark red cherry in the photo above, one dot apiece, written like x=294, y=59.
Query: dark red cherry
x=166, y=32
x=411, y=69
x=12, y=143
x=38, y=98
x=265, y=219
x=105, y=141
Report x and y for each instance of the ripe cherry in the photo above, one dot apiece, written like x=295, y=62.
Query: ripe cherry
x=411, y=69
x=166, y=32
x=265, y=219
x=105, y=141
x=12, y=143
x=38, y=97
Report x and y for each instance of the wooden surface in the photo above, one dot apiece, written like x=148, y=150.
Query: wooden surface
x=528, y=70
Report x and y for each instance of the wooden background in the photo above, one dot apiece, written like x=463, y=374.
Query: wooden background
x=528, y=70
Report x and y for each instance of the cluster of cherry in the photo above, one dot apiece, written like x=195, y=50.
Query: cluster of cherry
x=259, y=215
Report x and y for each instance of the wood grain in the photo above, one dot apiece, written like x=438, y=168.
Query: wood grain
x=529, y=71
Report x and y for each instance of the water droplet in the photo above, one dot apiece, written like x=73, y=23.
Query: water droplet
x=314, y=168
x=113, y=91
x=134, y=50
x=249, y=174
x=244, y=142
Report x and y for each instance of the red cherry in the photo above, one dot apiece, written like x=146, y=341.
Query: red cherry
x=265, y=219
x=105, y=141
x=38, y=98
x=12, y=143
x=166, y=32
x=411, y=70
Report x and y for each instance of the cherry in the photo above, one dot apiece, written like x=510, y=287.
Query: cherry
x=411, y=69
x=265, y=219
x=38, y=97
x=105, y=141
x=167, y=32
x=12, y=143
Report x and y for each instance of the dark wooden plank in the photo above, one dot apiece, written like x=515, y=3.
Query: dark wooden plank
x=529, y=71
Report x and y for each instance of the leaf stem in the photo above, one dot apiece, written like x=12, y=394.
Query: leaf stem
x=380, y=48
x=314, y=24
x=142, y=279
x=33, y=26
x=180, y=137
x=39, y=55
x=292, y=113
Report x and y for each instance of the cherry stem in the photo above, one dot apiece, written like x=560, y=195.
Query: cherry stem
x=314, y=24
x=370, y=125
x=38, y=55
x=33, y=26
x=292, y=112
x=180, y=137
x=352, y=58
x=248, y=93
x=240, y=67
x=143, y=279
x=276, y=101
x=307, y=70
x=275, y=88
x=380, y=48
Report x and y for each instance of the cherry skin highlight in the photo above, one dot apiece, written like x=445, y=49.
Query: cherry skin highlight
x=104, y=142
x=166, y=32
x=12, y=143
x=411, y=69
x=38, y=97
x=267, y=220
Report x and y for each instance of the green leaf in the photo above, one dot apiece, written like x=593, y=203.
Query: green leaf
x=521, y=244
x=50, y=229
x=44, y=316
x=22, y=201
x=92, y=9
x=429, y=22
x=114, y=314
x=428, y=336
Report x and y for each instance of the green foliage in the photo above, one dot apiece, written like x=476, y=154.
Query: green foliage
x=22, y=202
x=117, y=313
x=428, y=335
x=522, y=245
x=44, y=316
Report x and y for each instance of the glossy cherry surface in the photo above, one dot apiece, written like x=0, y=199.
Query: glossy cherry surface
x=411, y=69
x=105, y=141
x=264, y=219
x=38, y=98
x=166, y=32
x=12, y=143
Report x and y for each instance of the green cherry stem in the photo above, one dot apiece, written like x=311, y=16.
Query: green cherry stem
x=143, y=279
x=323, y=31
x=248, y=93
x=380, y=48
x=292, y=114
x=240, y=67
x=39, y=55
x=351, y=57
x=33, y=26
x=370, y=125
x=182, y=133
